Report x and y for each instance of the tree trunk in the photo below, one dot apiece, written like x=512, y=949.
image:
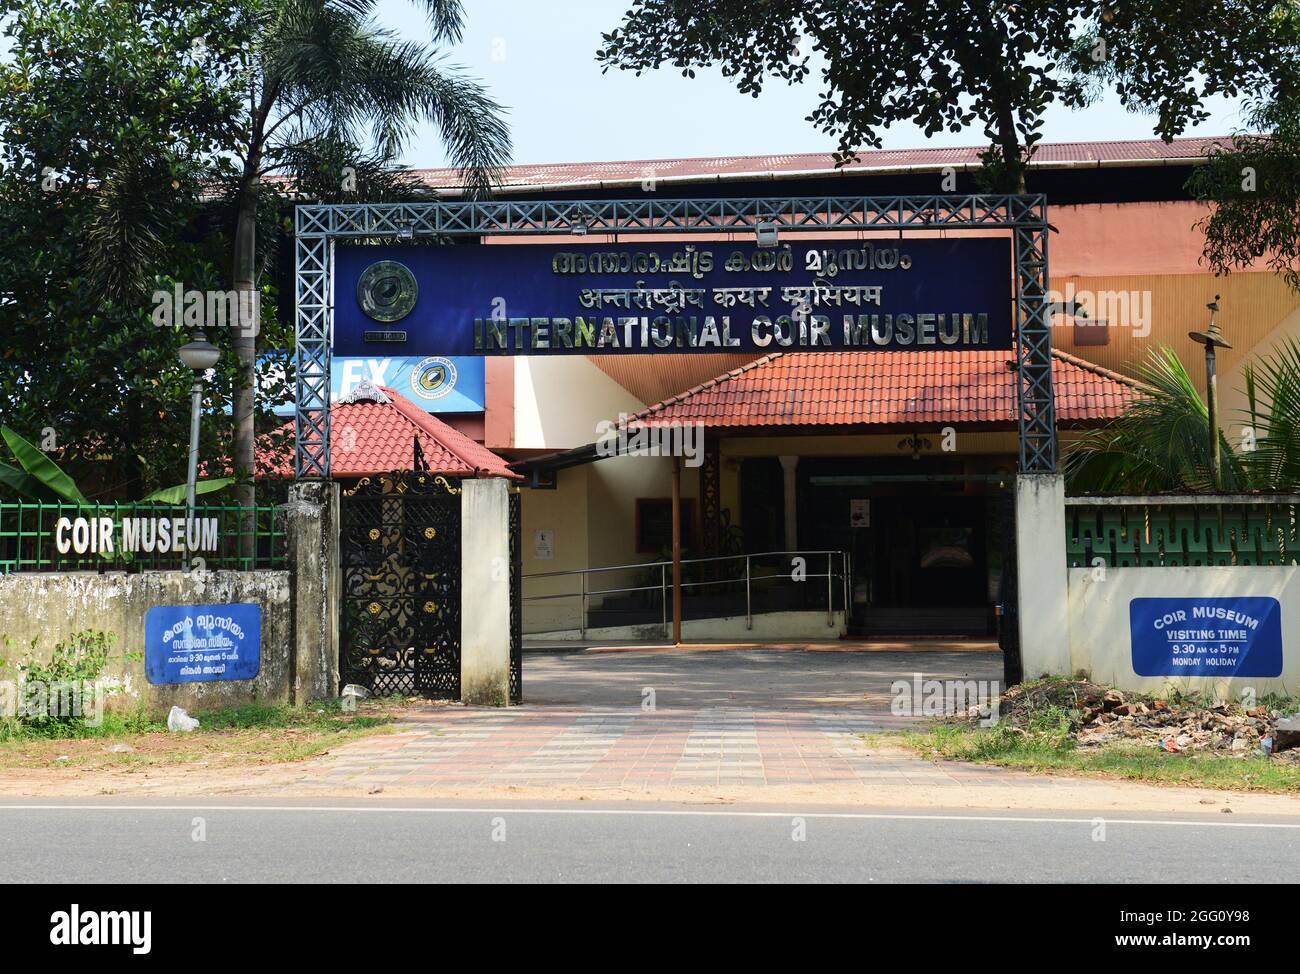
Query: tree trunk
x=245, y=344
x=993, y=44
x=1009, y=142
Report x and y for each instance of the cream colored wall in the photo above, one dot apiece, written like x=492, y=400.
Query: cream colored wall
x=1233, y=408
x=563, y=511
x=1252, y=307
x=616, y=484
x=1101, y=638
x=593, y=514
x=559, y=401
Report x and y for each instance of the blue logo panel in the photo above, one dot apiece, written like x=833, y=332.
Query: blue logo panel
x=202, y=643
x=1215, y=637
x=435, y=383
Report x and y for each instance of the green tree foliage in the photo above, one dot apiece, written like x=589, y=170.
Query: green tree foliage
x=37, y=477
x=1255, y=187
x=324, y=81
x=1162, y=445
x=1272, y=454
x=110, y=116
x=948, y=64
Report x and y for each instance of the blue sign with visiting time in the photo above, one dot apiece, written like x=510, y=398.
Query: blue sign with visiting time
x=915, y=294
x=1215, y=637
x=202, y=643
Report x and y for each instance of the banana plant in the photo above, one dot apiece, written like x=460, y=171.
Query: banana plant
x=39, y=478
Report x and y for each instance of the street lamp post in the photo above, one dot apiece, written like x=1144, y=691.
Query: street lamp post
x=1212, y=339
x=198, y=356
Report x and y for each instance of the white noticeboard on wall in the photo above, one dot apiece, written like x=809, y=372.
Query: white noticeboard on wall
x=544, y=544
x=860, y=512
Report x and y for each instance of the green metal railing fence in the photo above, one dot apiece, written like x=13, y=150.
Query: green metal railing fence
x=1183, y=531
x=66, y=537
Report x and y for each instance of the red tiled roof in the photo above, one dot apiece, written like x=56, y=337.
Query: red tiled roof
x=1067, y=155
x=888, y=389
x=368, y=438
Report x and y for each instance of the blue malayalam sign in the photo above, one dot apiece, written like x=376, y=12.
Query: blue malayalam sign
x=1217, y=637
x=915, y=294
x=202, y=643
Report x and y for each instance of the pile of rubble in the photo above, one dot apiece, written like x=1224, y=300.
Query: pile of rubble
x=1102, y=715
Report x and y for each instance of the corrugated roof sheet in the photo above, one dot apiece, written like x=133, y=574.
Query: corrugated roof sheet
x=1078, y=154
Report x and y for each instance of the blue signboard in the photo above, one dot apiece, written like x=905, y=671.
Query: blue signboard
x=1216, y=637
x=924, y=294
x=435, y=383
x=202, y=643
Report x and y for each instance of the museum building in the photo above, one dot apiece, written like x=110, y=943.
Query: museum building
x=822, y=492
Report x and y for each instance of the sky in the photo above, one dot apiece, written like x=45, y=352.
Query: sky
x=538, y=59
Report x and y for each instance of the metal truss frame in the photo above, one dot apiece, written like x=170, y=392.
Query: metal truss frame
x=318, y=226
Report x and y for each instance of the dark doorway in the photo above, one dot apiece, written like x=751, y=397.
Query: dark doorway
x=762, y=504
x=919, y=534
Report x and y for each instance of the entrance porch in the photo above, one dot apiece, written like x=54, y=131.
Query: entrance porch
x=868, y=493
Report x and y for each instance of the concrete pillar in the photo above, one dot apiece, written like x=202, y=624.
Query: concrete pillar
x=790, y=467
x=312, y=542
x=1042, y=574
x=485, y=592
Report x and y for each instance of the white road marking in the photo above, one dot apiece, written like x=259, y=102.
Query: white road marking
x=682, y=812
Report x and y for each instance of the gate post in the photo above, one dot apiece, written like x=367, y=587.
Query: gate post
x=312, y=536
x=1042, y=575
x=485, y=592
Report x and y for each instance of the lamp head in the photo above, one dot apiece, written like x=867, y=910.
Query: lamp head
x=199, y=355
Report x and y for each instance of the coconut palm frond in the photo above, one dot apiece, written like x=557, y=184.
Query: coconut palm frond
x=1160, y=445
x=132, y=217
x=1273, y=416
x=473, y=128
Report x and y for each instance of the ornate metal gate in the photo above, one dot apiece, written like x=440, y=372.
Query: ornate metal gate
x=400, y=550
x=400, y=553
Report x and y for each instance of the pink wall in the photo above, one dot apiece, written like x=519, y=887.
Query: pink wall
x=1104, y=239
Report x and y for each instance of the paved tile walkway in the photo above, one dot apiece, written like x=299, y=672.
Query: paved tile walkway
x=603, y=747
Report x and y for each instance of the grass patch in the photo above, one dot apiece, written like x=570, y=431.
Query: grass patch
x=1042, y=754
x=247, y=734
x=1038, y=730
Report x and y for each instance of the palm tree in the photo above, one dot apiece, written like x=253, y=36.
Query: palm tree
x=1273, y=414
x=1160, y=444
x=322, y=80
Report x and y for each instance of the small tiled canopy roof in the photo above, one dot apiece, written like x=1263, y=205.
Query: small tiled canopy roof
x=372, y=431
x=888, y=389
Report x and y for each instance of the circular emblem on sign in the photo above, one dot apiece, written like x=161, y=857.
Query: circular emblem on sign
x=433, y=377
x=387, y=291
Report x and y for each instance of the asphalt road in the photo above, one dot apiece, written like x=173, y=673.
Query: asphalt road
x=100, y=842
